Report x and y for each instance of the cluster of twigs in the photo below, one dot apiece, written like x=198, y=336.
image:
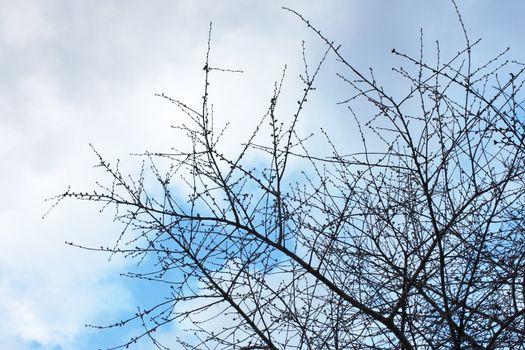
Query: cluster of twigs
x=417, y=242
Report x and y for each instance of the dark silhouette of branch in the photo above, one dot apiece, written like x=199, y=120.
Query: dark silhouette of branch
x=416, y=241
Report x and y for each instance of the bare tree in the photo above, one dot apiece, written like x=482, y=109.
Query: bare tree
x=415, y=242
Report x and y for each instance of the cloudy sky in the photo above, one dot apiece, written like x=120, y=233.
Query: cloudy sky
x=75, y=72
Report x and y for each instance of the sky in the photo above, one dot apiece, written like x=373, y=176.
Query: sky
x=78, y=72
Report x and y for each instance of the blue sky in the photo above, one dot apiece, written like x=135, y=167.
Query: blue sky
x=80, y=72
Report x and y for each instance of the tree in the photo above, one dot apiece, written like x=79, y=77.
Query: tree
x=415, y=242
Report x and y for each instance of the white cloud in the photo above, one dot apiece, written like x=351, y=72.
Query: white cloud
x=23, y=23
x=51, y=307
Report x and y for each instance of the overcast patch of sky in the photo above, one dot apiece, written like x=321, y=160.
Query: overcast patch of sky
x=75, y=72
